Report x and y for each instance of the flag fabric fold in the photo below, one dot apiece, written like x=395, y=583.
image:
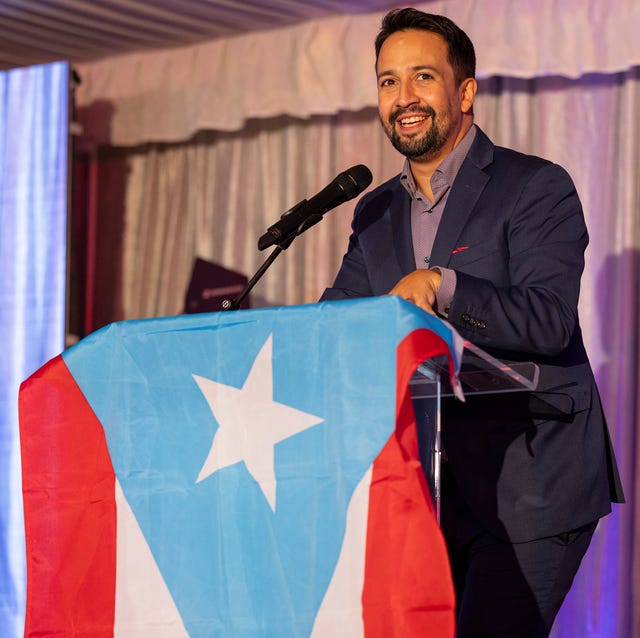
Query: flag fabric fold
x=252, y=473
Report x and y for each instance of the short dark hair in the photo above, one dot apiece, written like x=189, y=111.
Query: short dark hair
x=461, y=54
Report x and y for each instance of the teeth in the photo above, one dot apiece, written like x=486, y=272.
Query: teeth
x=412, y=120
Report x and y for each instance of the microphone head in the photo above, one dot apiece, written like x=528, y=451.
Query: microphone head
x=354, y=180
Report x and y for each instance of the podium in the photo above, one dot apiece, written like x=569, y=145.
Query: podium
x=242, y=473
x=480, y=373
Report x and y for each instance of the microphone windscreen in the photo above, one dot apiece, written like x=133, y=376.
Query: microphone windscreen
x=355, y=180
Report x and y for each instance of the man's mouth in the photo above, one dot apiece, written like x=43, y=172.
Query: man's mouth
x=411, y=120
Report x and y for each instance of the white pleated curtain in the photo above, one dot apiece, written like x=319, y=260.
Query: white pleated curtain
x=217, y=162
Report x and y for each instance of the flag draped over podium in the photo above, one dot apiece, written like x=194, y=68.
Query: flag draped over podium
x=252, y=473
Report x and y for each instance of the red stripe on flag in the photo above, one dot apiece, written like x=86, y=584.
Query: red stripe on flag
x=408, y=590
x=70, y=514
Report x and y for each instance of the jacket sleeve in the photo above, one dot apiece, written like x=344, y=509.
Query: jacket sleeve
x=522, y=293
x=352, y=279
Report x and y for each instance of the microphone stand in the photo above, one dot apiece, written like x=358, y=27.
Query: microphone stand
x=283, y=244
x=301, y=217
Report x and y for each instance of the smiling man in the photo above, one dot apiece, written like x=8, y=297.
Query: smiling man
x=494, y=241
x=425, y=107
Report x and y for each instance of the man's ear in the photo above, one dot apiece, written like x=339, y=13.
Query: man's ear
x=468, y=89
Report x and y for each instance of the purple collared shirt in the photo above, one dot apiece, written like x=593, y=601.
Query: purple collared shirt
x=426, y=214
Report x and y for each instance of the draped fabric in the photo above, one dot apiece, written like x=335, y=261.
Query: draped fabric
x=216, y=141
x=215, y=196
x=283, y=528
x=33, y=207
x=324, y=66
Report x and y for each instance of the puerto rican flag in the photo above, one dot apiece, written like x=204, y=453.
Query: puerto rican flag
x=244, y=474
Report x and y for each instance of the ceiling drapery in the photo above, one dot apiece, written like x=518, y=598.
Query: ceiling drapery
x=43, y=31
x=326, y=66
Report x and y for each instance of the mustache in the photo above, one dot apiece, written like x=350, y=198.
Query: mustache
x=414, y=110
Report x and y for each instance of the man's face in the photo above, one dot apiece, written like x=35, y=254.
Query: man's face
x=418, y=101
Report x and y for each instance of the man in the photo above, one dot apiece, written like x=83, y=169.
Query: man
x=494, y=241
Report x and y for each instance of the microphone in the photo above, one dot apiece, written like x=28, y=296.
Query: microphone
x=305, y=214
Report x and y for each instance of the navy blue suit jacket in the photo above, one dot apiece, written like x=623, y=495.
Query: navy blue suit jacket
x=529, y=464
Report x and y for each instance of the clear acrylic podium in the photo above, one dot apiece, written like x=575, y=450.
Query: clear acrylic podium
x=480, y=373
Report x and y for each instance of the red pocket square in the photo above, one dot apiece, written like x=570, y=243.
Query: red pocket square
x=459, y=249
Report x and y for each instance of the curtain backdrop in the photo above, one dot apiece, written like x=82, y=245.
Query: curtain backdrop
x=215, y=196
x=33, y=211
x=206, y=166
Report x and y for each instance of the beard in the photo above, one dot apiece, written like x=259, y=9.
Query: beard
x=424, y=146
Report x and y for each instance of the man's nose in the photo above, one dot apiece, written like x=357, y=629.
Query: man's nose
x=406, y=94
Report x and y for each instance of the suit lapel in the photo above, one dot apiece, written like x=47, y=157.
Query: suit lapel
x=467, y=188
x=400, y=218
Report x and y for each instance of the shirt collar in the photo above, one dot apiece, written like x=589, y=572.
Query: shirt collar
x=446, y=172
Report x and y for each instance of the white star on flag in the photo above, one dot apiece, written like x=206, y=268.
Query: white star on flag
x=251, y=423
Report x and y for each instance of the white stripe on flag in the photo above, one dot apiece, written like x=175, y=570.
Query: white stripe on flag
x=341, y=611
x=144, y=606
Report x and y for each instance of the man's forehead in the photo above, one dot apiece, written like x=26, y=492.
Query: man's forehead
x=413, y=48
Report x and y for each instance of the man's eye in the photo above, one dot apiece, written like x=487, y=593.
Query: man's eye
x=387, y=82
x=425, y=76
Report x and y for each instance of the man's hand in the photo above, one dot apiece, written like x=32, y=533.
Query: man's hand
x=419, y=287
